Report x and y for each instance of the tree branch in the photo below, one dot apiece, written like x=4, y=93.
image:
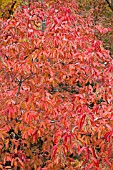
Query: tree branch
x=110, y=4
x=19, y=85
x=30, y=53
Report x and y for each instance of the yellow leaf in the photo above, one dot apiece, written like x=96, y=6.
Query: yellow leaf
x=39, y=24
x=23, y=105
x=99, y=134
x=28, y=152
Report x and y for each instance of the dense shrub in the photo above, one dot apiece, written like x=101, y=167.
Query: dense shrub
x=56, y=91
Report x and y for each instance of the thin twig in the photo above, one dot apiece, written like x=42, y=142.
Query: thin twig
x=28, y=77
x=20, y=83
x=30, y=53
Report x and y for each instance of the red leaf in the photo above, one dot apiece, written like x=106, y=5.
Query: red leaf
x=81, y=121
x=54, y=149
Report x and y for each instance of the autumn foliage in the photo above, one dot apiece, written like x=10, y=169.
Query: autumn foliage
x=56, y=91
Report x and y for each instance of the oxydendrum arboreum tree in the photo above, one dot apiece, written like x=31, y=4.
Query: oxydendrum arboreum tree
x=56, y=90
